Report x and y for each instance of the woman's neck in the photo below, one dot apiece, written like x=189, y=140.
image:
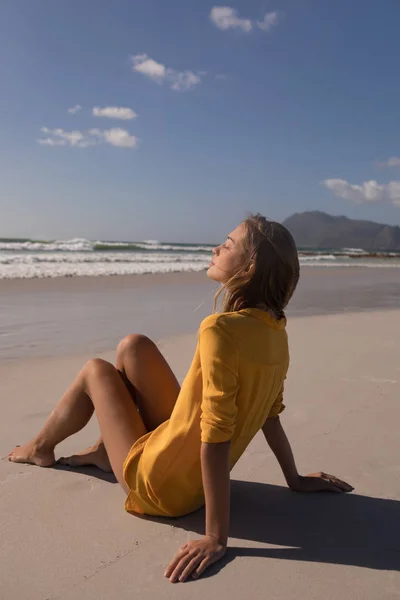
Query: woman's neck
x=271, y=313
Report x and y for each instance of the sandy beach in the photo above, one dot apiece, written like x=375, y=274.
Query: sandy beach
x=153, y=155
x=64, y=534
x=78, y=315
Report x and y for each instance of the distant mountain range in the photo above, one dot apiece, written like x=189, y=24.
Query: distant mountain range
x=316, y=230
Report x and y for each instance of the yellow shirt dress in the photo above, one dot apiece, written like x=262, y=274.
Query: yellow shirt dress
x=234, y=384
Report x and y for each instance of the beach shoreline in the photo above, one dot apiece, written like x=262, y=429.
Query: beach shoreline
x=81, y=257
x=80, y=315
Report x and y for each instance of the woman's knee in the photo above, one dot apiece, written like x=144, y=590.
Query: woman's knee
x=133, y=344
x=96, y=367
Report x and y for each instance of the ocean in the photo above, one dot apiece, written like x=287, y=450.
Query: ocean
x=30, y=259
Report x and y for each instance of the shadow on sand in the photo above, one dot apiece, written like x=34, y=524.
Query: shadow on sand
x=89, y=471
x=344, y=529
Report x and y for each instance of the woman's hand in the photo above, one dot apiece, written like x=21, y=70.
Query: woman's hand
x=194, y=558
x=320, y=482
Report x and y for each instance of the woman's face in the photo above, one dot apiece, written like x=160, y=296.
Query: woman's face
x=228, y=257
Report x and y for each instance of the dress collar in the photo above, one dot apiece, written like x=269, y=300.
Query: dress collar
x=264, y=316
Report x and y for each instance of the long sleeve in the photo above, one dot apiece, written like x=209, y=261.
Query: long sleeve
x=278, y=405
x=219, y=364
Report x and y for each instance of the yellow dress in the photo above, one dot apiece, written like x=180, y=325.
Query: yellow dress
x=234, y=384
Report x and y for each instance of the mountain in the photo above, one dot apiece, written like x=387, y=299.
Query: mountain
x=319, y=230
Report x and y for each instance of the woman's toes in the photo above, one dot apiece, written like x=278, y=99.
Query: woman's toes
x=97, y=458
x=32, y=454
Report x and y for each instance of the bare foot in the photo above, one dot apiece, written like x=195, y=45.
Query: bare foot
x=95, y=455
x=32, y=454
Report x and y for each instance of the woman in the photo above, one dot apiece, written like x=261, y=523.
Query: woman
x=172, y=449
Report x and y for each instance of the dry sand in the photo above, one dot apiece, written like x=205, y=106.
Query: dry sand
x=64, y=534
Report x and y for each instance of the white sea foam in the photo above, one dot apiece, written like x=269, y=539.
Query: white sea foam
x=81, y=257
x=354, y=251
x=172, y=247
x=75, y=245
x=29, y=266
x=24, y=271
x=83, y=245
x=317, y=258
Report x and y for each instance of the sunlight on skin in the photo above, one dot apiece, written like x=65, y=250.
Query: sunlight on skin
x=228, y=257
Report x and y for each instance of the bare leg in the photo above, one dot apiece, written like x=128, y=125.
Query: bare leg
x=151, y=384
x=149, y=379
x=104, y=392
x=94, y=455
x=75, y=409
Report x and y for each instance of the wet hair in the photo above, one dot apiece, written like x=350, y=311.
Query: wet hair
x=270, y=270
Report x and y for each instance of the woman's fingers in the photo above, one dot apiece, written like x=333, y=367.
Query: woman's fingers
x=345, y=486
x=325, y=482
x=193, y=559
x=180, y=567
x=342, y=485
x=331, y=487
x=201, y=568
x=194, y=563
x=175, y=562
x=184, y=564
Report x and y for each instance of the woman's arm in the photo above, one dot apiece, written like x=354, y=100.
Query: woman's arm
x=279, y=444
x=219, y=358
x=315, y=482
x=216, y=482
x=195, y=556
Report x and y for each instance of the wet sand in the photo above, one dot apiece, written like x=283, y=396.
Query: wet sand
x=65, y=316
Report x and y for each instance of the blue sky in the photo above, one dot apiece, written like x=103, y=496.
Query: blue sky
x=250, y=105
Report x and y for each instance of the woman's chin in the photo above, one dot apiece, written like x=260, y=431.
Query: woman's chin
x=211, y=273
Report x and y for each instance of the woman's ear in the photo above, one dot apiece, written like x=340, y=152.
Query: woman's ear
x=250, y=267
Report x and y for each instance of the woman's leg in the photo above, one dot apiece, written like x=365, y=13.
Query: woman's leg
x=93, y=455
x=149, y=379
x=76, y=408
x=101, y=390
x=152, y=386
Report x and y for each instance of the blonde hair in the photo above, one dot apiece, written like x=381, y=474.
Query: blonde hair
x=270, y=270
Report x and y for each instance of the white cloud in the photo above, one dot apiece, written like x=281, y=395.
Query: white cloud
x=60, y=137
x=367, y=192
x=115, y=137
x=74, y=109
x=183, y=80
x=225, y=17
x=393, y=161
x=82, y=139
x=52, y=142
x=179, y=80
x=114, y=112
x=270, y=19
x=146, y=65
